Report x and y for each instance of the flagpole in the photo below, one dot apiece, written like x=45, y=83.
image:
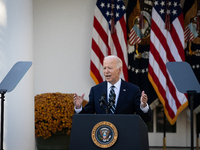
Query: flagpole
x=164, y=132
x=197, y=146
x=197, y=130
x=2, y=116
x=191, y=98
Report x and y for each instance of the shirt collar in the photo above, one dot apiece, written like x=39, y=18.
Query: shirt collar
x=117, y=84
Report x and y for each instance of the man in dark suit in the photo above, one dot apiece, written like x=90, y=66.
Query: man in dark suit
x=128, y=98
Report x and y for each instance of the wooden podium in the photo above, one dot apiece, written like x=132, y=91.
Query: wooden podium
x=113, y=132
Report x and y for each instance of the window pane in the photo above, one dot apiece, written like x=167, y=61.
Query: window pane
x=150, y=124
x=160, y=121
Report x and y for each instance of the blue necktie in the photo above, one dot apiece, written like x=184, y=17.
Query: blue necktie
x=112, y=92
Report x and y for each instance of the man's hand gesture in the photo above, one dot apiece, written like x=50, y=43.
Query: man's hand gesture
x=78, y=100
x=143, y=100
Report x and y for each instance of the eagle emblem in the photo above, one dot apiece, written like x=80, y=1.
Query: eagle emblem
x=104, y=134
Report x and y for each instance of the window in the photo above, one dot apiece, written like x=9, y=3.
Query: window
x=150, y=124
x=160, y=121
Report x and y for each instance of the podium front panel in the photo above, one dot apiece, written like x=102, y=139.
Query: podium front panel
x=132, y=133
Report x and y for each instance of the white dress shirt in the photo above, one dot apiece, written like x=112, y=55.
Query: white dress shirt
x=116, y=89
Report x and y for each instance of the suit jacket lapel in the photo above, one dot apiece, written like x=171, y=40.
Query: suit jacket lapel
x=122, y=95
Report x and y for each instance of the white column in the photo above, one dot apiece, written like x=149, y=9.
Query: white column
x=16, y=44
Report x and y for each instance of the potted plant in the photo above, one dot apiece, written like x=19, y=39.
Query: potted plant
x=53, y=115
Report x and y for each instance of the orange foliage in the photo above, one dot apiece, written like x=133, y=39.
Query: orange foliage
x=53, y=113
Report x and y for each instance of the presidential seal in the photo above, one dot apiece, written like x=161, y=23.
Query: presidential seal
x=104, y=134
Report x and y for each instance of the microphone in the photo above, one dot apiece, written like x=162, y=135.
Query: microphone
x=102, y=100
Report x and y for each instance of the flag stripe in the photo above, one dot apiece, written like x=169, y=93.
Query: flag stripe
x=133, y=37
x=190, y=33
x=124, y=41
x=166, y=45
x=123, y=25
x=95, y=74
x=104, y=42
x=99, y=40
x=101, y=33
x=159, y=36
x=98, y=65
x=165, y=78
x=161, y=91
x=97, y=51
x=178, y=36
x=120, y=53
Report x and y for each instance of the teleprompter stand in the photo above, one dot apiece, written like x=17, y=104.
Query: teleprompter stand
x=8, y=84
x=87, y=132
x=186, y=82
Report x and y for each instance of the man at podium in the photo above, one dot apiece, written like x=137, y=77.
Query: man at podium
x=114, y=96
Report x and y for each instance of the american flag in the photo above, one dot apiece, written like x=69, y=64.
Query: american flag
x=166, y=45
x=109, y=14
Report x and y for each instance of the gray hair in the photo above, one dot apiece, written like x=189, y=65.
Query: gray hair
x=119, y=61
